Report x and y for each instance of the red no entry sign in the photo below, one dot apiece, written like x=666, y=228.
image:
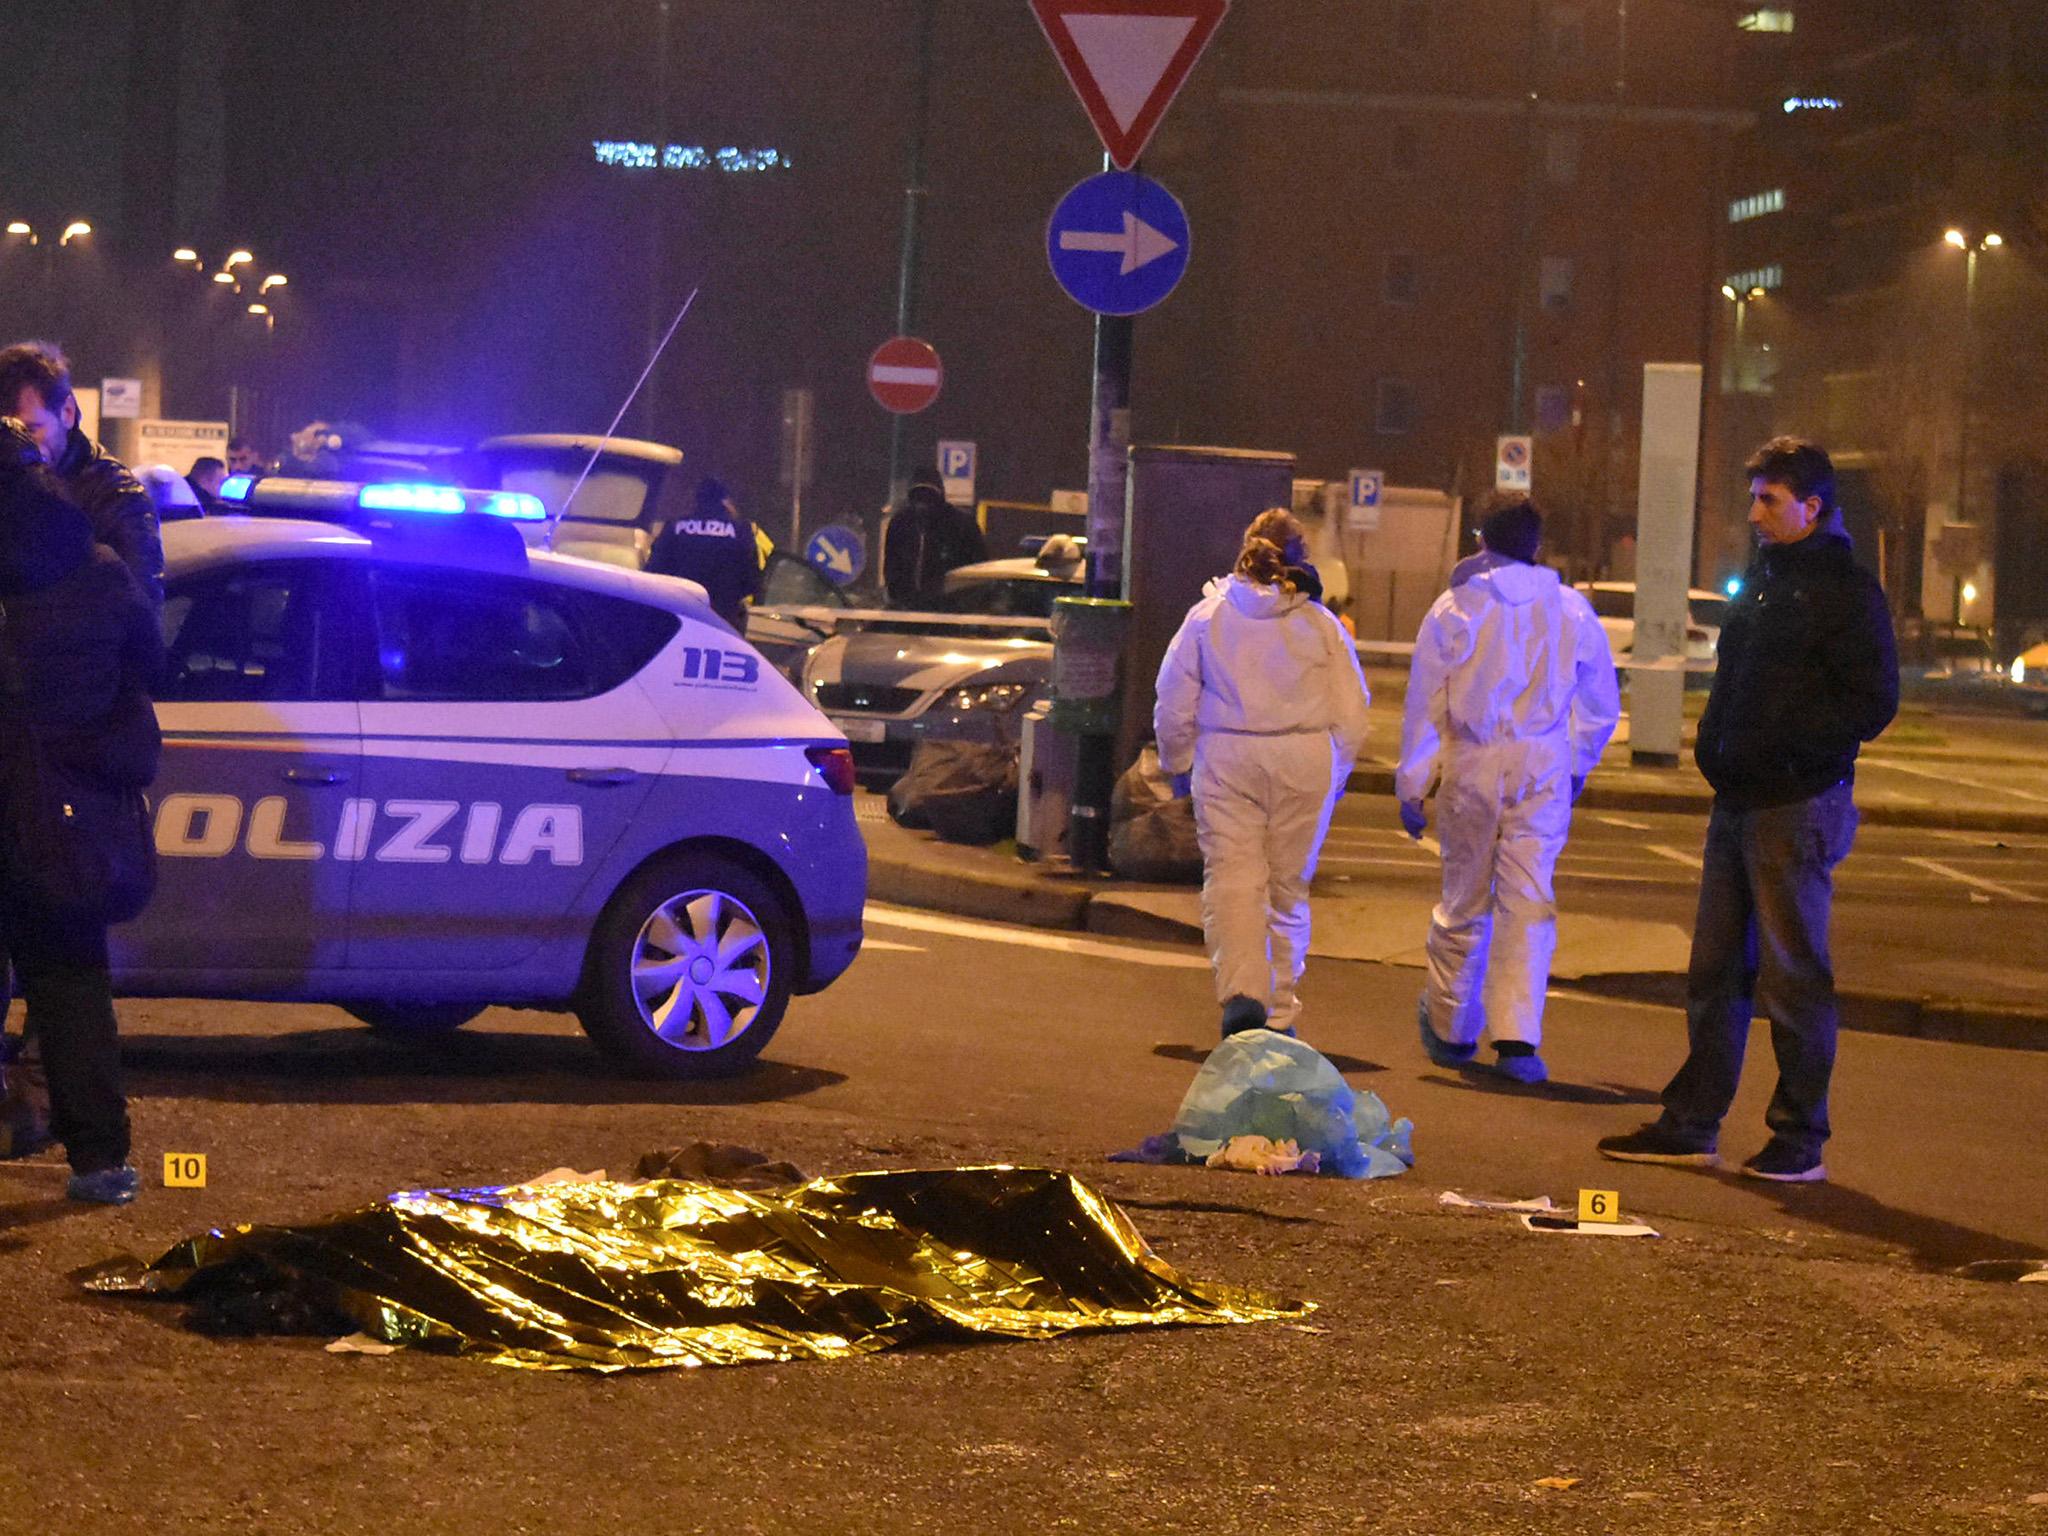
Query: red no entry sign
x=904, y=375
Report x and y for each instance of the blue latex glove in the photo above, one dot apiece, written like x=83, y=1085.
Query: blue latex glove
x=1578, y=787
x=1183, y=785
x=1414, y=820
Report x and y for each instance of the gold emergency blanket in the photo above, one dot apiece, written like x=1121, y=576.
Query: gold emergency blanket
x=610, y=1276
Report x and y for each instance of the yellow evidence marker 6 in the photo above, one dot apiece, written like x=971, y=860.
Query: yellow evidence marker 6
x=185, y=1170
x=1599, y=1205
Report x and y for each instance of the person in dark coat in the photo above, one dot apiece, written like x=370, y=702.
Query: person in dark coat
x=715, y=547
x=82, y=643
x=1806, y=671
x=206, y=477
x=924, y=539
x=35, y=389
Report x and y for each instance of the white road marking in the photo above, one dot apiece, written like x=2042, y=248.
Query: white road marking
x=1676, y=855
x=868, y=946
x=1624, y=822
x=1031, y=938
x=1950, y=778
x=2011, y=893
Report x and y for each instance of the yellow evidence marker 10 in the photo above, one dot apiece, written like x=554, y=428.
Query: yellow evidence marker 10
x=185, y=1170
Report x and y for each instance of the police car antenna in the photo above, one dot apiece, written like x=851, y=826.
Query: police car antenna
x=548, y=542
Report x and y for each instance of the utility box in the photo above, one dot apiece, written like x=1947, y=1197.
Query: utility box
x=1184, y=523
x=1045, y=786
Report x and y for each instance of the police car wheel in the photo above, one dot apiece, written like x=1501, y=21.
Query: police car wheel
x=413, y=1018
x=689, y=970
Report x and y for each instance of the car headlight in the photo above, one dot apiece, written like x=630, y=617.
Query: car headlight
x=985, y=696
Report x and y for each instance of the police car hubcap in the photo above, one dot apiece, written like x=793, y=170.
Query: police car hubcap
x=701, y=968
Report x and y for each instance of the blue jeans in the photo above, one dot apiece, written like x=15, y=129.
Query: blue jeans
x=1761, y=940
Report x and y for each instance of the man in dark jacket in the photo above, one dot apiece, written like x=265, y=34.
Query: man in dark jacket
x=924, y=539
x=1807, y=672
x=35, y=389
x=715, y=547
x=79, y=646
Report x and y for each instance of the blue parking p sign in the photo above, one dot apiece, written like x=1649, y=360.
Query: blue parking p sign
x=1363, y=512
x=837, y=552
x=956, y=461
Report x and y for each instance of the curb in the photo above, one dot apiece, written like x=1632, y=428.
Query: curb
x=973, y=893
x=1034, y=903
x=1613, y=797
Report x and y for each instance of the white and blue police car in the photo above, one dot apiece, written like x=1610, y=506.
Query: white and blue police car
x=416, y=768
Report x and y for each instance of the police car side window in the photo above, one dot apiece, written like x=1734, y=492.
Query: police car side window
x=498, y=639
x=249, y=635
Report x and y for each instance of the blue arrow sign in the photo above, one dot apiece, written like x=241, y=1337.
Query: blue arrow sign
x=838, y=552
x=1118, y=243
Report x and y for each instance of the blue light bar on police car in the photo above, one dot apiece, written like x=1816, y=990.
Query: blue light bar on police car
x=411, y=498
x=517, y=505
x=236, y=487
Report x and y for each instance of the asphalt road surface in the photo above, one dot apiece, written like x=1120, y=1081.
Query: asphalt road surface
x=1791, y=1359
x=1937, y=913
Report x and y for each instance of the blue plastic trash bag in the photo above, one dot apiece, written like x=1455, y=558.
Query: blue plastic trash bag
x=1258, y=1083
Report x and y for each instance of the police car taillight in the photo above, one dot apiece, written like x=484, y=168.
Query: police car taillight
x=835, y=767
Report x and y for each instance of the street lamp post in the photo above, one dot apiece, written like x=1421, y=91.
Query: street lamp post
x=1741, y=300
x=1969, y=247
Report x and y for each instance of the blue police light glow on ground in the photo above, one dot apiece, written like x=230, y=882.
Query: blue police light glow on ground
x=1734, y=586
x=236, y=487
x=517, y=505
x=410, y=498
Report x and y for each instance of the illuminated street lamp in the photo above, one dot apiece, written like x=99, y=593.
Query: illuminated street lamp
x=236, y=259
x=275, y=280
x=1741, y=300
x=1989, y=241
x=77, y=229
x=223, y=277
x=259, y=309
x=185, y=253
x=19, y=229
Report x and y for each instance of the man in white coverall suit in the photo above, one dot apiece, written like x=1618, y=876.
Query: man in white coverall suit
x=1261, y=696
x=1511, y=698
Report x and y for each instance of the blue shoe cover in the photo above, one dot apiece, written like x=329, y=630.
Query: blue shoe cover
x=1437, y=1048
x=1523, y=1069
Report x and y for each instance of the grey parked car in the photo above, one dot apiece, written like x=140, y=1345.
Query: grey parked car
x=896, y=682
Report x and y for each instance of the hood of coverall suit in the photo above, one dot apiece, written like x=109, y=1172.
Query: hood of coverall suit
x=1253, y=600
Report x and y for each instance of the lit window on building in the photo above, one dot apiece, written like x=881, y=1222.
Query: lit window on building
x=631, y=155
x=1411, y=24
x=1554, y=282
x=1766, y=21
x=1404, y=149
x=1561, y=156
x=1400, y=282
x=1766, y=278
x=1394, y=407
x=1567, y=34
x=1756, y=205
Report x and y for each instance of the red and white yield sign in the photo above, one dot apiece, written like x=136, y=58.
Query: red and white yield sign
x=904, y=375
x=1127, y=59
